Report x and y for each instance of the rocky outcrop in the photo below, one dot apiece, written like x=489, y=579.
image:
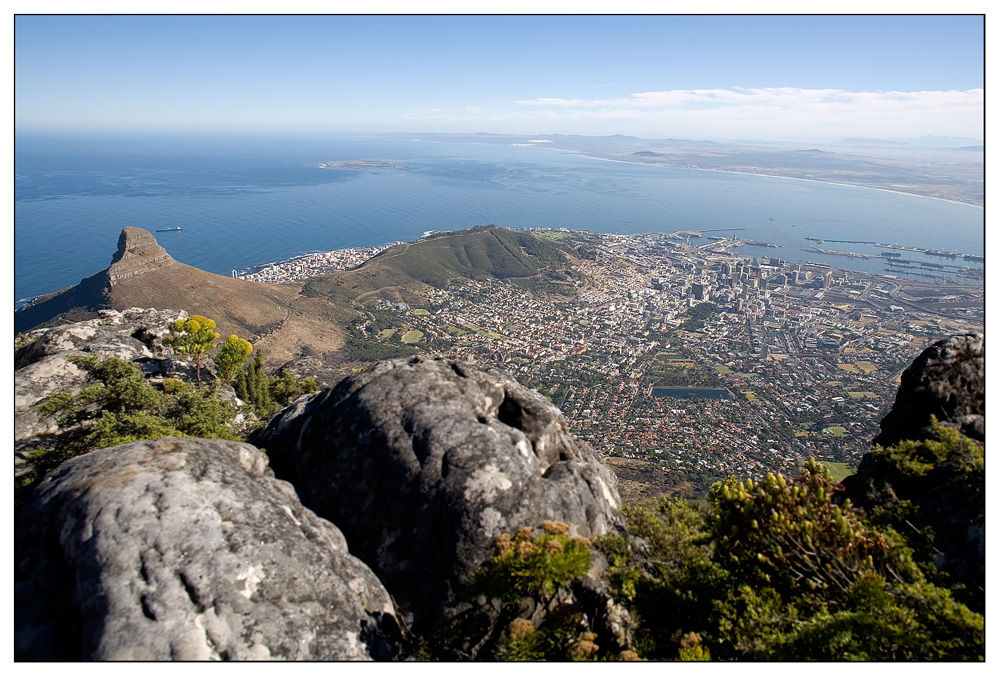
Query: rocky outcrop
x=41, y=368
x=947, y=380
x=423, y=462
x=185, y=550
x=326, y=370
x=138, y=254
x=935, y=497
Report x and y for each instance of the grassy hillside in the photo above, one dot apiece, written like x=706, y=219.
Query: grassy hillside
x=403, y=272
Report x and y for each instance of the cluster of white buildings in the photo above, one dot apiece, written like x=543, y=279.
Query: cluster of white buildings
x=311, y=265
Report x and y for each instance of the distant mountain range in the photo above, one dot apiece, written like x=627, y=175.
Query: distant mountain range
x=944, y=167
x=956, y=142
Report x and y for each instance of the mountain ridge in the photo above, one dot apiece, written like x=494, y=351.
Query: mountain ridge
x=289, y=321
x=143, y=274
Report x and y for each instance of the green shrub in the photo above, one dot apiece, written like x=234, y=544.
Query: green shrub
x=933, y=492
x=114, y=428
x=808, y=579
x=533, y=566
x=777, y=570
x=663, y=571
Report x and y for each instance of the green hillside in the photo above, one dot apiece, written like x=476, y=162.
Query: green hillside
x=401, y=273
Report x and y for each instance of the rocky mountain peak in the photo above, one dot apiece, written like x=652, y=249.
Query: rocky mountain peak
x=138, y=253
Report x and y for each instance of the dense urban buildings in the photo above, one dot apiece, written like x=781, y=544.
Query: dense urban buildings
x=686, y=363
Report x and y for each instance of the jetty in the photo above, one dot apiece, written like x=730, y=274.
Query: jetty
x=819, y=241
x=940, y=253
x=835, y=252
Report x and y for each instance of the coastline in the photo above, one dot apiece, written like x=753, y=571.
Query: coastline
x=770, y=176
x=38, y=215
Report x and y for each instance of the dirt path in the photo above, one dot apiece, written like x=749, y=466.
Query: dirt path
x=288, y=312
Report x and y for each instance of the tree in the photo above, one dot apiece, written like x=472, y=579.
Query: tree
x=257, y=385
x=194, y=337
x=232, y=355
x=268, y=394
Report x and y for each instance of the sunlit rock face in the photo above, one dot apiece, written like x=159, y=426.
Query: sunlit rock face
x=138, y=253
x=184, y=549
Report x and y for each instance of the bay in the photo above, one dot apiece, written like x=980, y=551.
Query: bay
x=243, y=202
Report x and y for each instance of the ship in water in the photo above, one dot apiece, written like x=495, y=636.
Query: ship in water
x=167, y=230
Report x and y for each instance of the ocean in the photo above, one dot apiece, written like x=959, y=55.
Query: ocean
x=242, y=202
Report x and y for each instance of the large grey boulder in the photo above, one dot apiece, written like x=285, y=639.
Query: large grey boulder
x=423, y=462
x=188, y=549
x=947, y=380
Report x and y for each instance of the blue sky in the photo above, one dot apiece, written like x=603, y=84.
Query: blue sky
x=766, y=77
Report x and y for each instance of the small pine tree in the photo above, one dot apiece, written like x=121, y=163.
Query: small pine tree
x=232, y=356
x=240, y=384
x=260, y=392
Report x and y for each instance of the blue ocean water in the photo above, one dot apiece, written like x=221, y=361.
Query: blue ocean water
x=245, y=202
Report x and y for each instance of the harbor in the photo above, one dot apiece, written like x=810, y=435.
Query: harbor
x=940, y=253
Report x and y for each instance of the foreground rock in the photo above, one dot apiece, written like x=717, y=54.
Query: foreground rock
x=423, y=462
x=940, y=498
x=185, y=550
x=947, y=380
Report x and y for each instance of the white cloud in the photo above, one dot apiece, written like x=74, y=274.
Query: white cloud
x=781, y=111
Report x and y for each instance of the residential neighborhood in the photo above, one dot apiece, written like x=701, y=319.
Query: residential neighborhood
x=696, y=362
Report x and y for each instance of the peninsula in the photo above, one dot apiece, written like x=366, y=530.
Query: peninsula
x=361, y=165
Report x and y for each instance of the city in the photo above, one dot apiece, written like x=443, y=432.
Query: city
x=685, y=364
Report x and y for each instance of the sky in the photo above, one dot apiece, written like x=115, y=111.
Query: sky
x=720, y=76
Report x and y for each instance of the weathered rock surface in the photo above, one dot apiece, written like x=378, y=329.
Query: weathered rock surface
x=947, y=380
x=188, y=549
x=327, y=370
x=423, y=462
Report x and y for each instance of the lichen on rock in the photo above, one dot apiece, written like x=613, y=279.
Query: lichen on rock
x=184, y=549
